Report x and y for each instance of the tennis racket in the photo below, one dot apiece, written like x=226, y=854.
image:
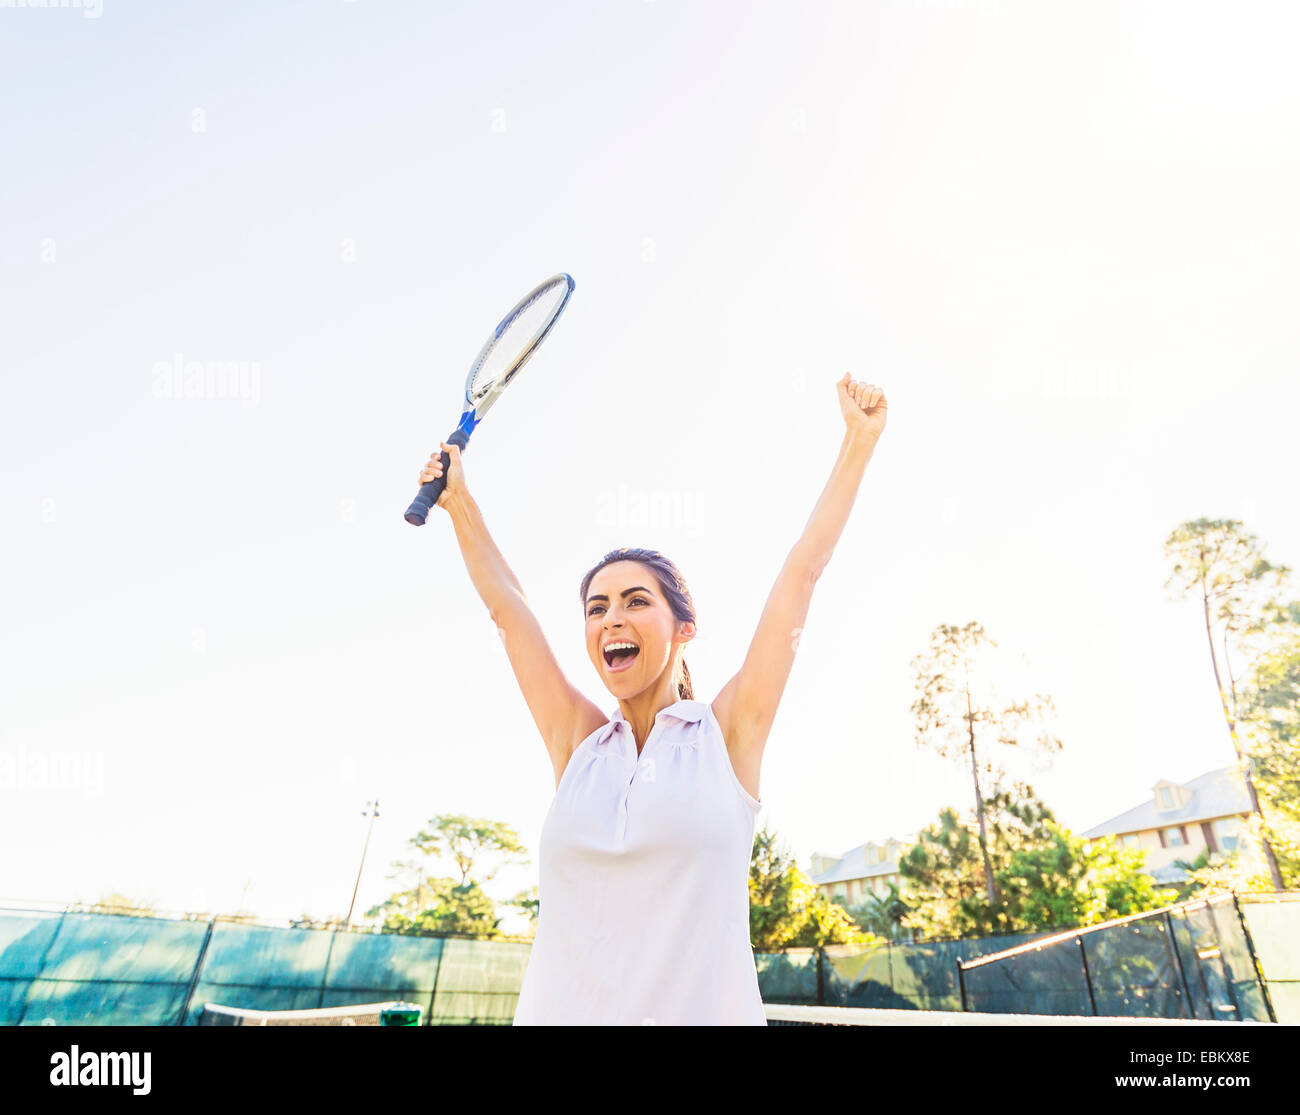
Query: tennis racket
x=506, y=351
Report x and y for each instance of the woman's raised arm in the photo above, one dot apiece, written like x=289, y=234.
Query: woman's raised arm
x=562, y=714
x=746, y=707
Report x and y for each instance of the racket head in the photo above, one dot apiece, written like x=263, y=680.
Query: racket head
x=515, y=339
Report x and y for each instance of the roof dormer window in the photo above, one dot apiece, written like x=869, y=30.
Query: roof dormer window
x=1168, y=796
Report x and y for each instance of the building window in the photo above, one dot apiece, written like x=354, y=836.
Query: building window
x=1132, y=840
x=1166, y=797
x=1227, y=831
x=1174, y=838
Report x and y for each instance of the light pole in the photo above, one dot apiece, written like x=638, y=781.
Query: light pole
x=372, y=811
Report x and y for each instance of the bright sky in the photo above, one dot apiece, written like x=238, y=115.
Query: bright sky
x=1062, y=236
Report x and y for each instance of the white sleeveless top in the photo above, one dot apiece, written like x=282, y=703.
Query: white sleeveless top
x=643, y=914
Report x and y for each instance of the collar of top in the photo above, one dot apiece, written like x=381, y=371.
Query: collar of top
x=688, y=712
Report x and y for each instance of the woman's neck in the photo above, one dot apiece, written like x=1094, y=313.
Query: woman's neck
x=640, y=711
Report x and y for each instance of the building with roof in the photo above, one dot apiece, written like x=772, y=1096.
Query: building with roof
x=862, y=871
x=1179, y=822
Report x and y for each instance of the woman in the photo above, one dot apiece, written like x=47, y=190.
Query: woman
x=644, y=897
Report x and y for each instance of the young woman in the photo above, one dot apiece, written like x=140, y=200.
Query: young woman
x=644, y=858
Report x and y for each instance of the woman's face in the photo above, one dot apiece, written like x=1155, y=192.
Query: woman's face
x=626, y=608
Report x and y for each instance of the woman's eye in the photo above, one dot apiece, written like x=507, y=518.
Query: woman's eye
x=634, y=600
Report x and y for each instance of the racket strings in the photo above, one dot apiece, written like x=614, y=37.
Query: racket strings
x=516, y=337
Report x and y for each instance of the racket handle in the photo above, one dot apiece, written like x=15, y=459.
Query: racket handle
x=429, y=493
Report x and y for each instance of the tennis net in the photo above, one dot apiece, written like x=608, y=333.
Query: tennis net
x=409, y=1014
x=781, y=1015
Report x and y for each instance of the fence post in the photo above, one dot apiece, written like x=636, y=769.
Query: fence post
x=961, y=982
x=1178, y=963
x=194, y=979
x=1254, y=960
x=1087, y=975
x=437, y=975
x=325, y=975
x=821, y=979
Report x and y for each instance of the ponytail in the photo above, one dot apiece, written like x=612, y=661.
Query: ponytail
x=685, y=692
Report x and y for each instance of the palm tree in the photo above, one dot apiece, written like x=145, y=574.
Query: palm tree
x=882, y=914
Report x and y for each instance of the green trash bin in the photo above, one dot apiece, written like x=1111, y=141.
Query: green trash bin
x=401, y=1014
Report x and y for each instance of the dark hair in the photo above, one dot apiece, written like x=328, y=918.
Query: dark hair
x=671, y=584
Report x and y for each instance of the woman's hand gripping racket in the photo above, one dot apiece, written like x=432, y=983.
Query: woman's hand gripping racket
x=507, y=350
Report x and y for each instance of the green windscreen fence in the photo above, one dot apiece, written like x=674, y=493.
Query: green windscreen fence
x=882, y=975
x=1227, y=958
x=1274, y=923
x=107, y=969
x=1199, y=960
x=909, y=976
x=81, y=969
x=789, y=977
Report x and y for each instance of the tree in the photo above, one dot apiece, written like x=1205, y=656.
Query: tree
x=466, y=839
x=414, y=873
x=438, y=904
x=785, y=908
x=1065, y=880
x=774, y=915
x=881, y=914
x=1222, y=564
x=944, y=872
x=1220, y=873
x=955, y=693
x=449, y=907
x=1047, y=877
x=1271, y=713
x=825, y=923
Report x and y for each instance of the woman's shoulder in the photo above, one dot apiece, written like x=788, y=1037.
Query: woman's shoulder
x=590, y=725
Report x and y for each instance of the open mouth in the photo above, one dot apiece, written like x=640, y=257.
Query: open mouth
x=619, y=656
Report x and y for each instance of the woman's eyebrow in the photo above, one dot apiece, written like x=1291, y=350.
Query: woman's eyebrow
x=625, y=592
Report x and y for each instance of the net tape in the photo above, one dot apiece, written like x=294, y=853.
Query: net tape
x=364, y=1014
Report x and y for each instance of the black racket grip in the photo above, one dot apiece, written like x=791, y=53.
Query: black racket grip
x=429, y=493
